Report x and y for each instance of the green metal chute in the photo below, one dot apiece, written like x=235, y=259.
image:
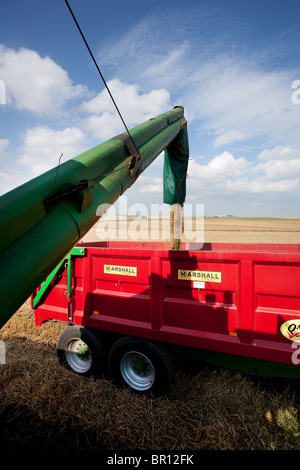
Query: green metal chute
x=175, y=168
x=42, y=220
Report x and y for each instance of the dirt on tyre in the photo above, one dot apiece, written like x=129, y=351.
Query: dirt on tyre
x=82, y=351
x=142, y=366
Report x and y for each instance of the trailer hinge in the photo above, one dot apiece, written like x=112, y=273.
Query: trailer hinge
x=71, y=308
x=70, y=316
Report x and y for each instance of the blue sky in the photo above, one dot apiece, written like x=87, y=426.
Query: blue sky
x=233, y=65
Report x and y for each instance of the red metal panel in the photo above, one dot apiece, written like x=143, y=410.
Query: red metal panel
x=205, y=308
x=278, y=297
x=120, y=286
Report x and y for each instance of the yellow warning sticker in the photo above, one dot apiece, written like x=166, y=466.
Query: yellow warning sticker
x=208, y=276
x=291, y=330
x=123, y=270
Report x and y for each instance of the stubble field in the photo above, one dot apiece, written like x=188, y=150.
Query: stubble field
x=43, y=406
x=211, y=229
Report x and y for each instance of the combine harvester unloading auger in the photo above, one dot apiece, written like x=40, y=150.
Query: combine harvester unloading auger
x=42, y=220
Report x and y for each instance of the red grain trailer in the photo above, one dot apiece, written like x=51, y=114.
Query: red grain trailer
x=130, y=305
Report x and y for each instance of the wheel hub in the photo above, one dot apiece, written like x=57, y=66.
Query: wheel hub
x=137, y=371
x=140, y=365
x=78, y=355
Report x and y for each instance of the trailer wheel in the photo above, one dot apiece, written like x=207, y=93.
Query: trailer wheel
x=82, y=351
x=142, y=366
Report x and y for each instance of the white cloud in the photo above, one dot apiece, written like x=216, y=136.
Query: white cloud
x=6, y=177
x=135, y=107
x=169, y=67
x=229, y=137
x=221, y=83
x=220, y=167
x=228, y=98
x=155, y=186
x=210, y=177
x=130, y=45
x=263, y=186
x=280, y=152
x=11, y=178
x=217, y=90
x=226, y=94
x=104, y=126
x=43, y=146
x=279, y=170
x=34, y=83
x=226, y=174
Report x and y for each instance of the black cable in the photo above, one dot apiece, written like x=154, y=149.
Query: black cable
x=97, y=67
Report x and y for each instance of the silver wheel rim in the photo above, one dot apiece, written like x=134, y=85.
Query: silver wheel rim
x=137, y=371
x=78, y=355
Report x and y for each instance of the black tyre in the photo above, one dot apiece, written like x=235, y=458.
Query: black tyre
x=141, y=365
x=82, y=351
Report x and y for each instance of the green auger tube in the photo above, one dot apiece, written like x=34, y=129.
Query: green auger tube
x=42, y=220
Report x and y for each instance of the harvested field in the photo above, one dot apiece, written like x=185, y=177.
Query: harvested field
x=43, y=406
x=256, y=230
x=215, y=230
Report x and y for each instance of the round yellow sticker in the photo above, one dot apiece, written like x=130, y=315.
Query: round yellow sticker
x=291, y=329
